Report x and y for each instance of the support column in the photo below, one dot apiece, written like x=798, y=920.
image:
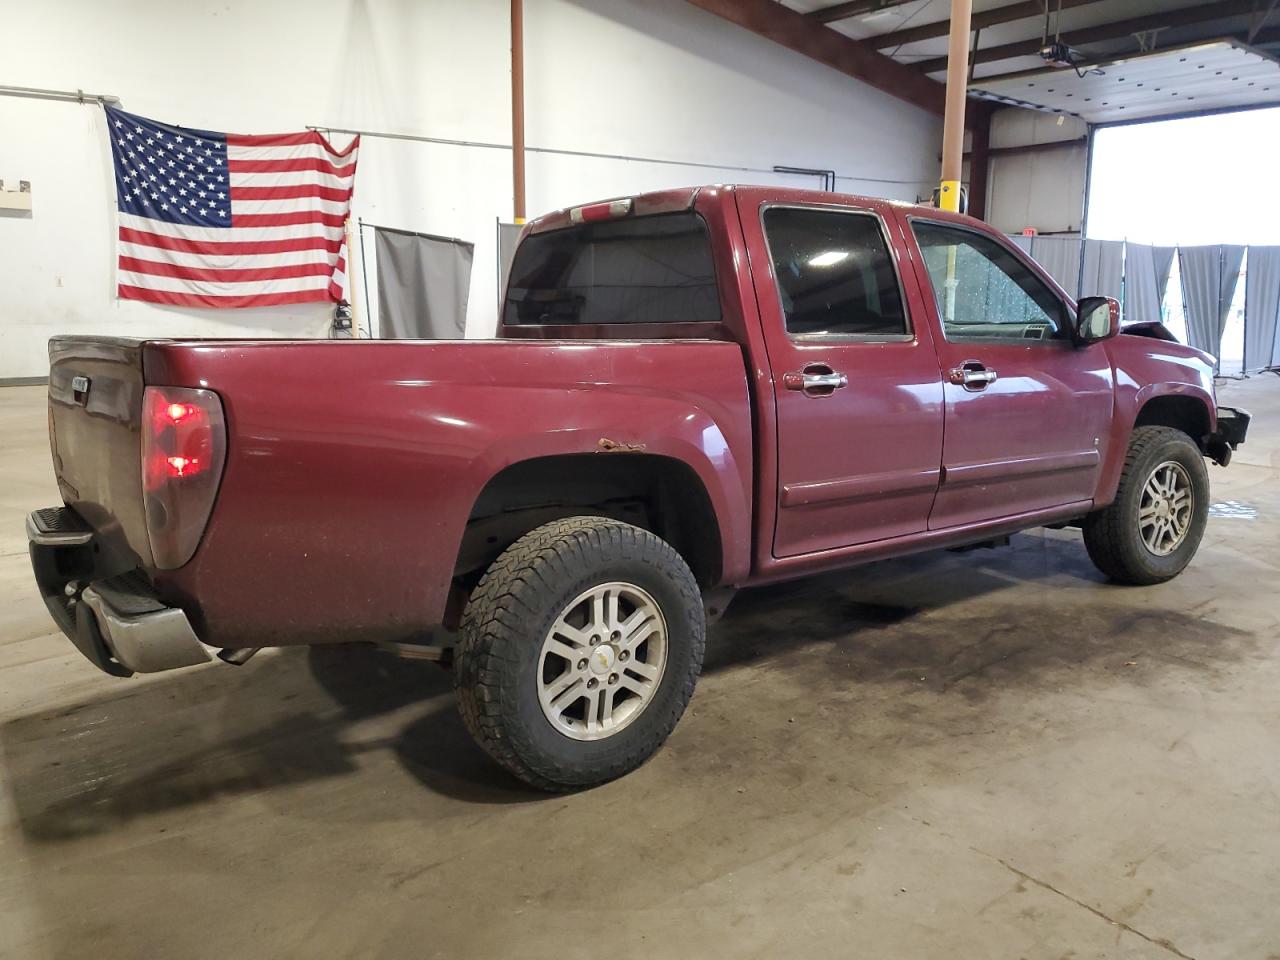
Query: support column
x=517, y=109
x=953, y=121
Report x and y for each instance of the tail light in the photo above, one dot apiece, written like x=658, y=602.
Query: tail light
x=184, y=445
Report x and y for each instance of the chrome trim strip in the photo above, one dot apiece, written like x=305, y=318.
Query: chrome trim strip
x=896, y=483
x=1021, y=467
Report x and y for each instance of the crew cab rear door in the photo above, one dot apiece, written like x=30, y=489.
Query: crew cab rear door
x=1026, y=409
x=857, y=391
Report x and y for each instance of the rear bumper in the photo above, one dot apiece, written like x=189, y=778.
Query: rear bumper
x=1233, y=424
x=112, y=617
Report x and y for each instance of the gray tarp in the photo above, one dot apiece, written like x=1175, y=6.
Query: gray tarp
x=423, y=283
x=1208, y=283
x=1060, y=257
x=1261, y=308
x=1102, y=272
x=1142, y=295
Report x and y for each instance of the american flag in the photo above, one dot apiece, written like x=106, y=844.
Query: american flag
x=225, y=220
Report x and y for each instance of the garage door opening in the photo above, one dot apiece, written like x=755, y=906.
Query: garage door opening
x=1195, y=182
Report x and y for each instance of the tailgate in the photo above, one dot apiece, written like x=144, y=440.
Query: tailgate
x=95, y=413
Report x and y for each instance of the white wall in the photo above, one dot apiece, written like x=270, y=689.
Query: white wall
x=657, y=79
x=1045, y=189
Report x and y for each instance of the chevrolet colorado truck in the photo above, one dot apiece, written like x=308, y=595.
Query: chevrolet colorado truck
x=691, y=391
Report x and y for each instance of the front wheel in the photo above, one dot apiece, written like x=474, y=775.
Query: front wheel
x=1150, y=532
x=579, y=650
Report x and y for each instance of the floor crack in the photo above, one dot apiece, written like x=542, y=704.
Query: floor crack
x=1156, y=941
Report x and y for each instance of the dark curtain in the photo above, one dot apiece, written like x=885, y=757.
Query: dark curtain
x=423, y=284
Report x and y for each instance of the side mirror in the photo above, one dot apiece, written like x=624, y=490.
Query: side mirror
x=1097, y=318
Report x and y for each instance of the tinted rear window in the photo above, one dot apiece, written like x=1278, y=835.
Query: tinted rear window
x=654, y=269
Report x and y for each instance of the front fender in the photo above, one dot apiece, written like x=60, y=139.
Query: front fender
x=1146, y=369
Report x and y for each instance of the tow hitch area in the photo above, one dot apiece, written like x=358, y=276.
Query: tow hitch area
x=113, y=618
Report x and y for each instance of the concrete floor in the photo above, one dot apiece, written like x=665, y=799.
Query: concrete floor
x=992, y=754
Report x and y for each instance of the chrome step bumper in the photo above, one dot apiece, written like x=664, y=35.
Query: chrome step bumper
x=114, y=620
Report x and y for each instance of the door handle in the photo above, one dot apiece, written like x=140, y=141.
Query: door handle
x=815, y=380
x=972, y=375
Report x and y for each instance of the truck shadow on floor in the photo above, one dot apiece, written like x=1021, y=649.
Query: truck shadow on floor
x=150, y=751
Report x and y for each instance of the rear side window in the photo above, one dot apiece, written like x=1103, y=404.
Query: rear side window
x=654, y=269
x=834, y=274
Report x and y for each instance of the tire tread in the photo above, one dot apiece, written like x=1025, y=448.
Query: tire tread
x=494, y=630
x=1108, y=532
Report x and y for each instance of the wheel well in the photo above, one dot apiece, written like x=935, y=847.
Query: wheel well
x=656, y=493
x=1182, y=413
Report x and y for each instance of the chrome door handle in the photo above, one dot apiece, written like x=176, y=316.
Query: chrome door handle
x=972, y=375
x=815, y=384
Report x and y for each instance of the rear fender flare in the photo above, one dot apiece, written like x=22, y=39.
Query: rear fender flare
x=682, y=433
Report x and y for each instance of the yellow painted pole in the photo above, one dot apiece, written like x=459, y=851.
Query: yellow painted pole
x=953, y=121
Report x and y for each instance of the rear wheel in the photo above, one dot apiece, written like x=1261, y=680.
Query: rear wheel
x=1150, y=532
x=579, y=650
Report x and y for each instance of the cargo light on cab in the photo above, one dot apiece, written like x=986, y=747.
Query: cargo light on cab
x=184, y=445
x=609, y=210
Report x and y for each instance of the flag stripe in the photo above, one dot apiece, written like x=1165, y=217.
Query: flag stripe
x=311, y=137
x=316, y=204
x=240, y=220
x=234, y=248
x=312, y=151
x=252, y=259
x=225, y=274
x=221, y=288
x=289, y=192
x=128, y=292
x=287, y=166
x=233, y=233
x=288, y=178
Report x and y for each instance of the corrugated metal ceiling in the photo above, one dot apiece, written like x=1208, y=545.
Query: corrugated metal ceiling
x=1100, y=31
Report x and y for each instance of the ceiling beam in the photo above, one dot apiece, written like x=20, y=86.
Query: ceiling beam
x=855, y=8
x=986, y=18
x=1102, y=32
x=799, y=33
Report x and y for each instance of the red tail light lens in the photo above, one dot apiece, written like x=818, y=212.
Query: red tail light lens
x=184, y=445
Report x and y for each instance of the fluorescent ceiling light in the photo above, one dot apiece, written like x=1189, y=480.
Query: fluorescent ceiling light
x=827, y=258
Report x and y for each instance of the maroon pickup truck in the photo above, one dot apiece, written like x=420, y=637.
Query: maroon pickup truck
x=691, y=391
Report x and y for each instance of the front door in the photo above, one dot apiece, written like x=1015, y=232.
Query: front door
x=1026, y=409
x=858, y=396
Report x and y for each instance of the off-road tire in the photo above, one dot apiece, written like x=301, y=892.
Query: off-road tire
x=509, y=614
x=1112, y=536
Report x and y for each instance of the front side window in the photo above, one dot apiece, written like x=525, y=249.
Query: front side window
x=983, y=291
x=834, y=274
x=653, y=269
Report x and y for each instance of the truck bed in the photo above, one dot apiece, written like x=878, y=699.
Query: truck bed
x=352, y=468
